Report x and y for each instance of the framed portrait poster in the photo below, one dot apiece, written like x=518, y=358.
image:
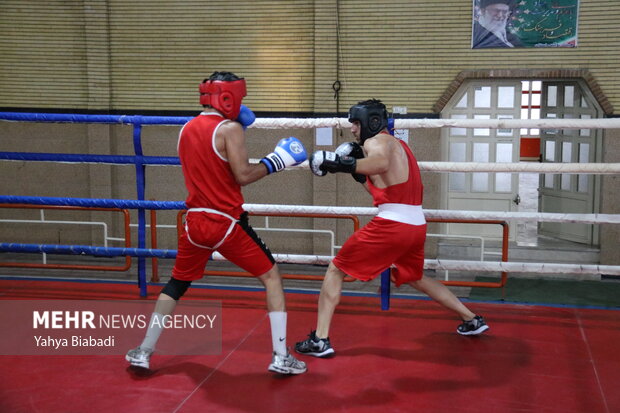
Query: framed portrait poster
x=524, y=23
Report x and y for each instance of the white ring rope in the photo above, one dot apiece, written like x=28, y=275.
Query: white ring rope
x=531, y=167
x=525, y=216
x=303, y=123
x=290, y=258
x=534, y=267
x=454, y=265
x=589, y=168
x=440, y=213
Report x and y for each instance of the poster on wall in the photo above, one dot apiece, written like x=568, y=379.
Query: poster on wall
x=524, y=23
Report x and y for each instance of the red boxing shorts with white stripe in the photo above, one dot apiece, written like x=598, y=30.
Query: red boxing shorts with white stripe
x=204, y=230
x=380, y=244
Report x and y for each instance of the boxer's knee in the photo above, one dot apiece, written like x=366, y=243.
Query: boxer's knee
x=175, y=289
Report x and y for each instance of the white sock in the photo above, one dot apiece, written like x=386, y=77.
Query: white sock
x=278, y=331
x=153, y=332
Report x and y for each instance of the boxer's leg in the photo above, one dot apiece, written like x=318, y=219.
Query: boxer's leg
x=189, y=265
x=245, y=249
x=472, y=324
x=329, y=299
x=440, y=293
x=317, y=344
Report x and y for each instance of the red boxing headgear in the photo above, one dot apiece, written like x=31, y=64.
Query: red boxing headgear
x=224, y=96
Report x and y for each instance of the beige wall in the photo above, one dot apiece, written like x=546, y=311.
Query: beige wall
x=610, y=200
x=150, y=56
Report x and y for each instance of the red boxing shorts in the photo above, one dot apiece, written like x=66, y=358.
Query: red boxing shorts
x=237, y=242
x=380, y=244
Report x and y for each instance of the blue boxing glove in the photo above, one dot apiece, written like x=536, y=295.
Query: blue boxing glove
x=390, y=126
x=246, y=117
x=355, y=150
x=288, y=152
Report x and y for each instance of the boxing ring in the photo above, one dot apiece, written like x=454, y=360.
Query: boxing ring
x=534, y=358
x=140, y=161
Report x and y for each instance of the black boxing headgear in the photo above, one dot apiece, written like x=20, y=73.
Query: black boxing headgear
x=372, y=116
x=224, y=92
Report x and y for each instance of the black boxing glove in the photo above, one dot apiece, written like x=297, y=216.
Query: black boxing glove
x=350, y=149
x=355, y=150
x=322, y=162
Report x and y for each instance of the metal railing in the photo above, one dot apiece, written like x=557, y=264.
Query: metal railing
x=45, y=264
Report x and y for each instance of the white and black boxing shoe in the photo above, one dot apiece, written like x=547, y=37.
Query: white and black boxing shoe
x=314, y=346
x=472, y=327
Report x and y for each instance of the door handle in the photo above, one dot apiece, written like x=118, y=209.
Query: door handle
x=517, y=200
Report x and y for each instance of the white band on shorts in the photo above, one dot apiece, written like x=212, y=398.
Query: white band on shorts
x=407, y=214
x=211, y=211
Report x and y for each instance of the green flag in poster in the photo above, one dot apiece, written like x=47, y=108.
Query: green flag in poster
x=525, y=23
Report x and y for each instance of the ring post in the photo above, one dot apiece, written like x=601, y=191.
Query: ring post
x=385, y=290
x=140, y=188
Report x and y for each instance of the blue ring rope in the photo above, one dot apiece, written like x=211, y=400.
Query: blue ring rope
x=87, y=158
x=86, y=250
x=76, y=118
x=93, y=203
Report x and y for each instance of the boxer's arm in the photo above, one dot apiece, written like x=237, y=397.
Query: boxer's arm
x=377, y=156
x=376, y=162
x=355, y=150
x=237, y=154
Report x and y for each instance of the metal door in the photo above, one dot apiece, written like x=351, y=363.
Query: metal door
x=481, y=99
x=569, y=193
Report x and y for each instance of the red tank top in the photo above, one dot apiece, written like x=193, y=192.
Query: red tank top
x=208, y=178
x=409, y=192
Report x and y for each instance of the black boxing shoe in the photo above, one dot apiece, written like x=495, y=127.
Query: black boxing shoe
x=472, y=327
x=314, y=346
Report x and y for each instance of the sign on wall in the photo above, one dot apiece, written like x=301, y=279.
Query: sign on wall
x=524, y=23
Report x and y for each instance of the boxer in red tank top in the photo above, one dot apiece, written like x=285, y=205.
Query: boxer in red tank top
x=394, y=238
x=215, y=166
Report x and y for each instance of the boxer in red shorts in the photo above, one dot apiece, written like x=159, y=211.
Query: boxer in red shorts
x=215, y=166
x=394, y=238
